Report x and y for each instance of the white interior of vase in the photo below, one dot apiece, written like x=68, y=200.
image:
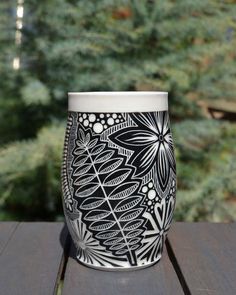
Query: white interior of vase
x=128, y=101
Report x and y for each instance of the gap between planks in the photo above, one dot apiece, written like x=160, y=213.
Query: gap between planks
x=64, y=261
x=12, y=227
x=177, y=268
x=164, y=270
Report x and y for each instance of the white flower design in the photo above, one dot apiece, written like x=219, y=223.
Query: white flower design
x=154, y=239
x=151, y=142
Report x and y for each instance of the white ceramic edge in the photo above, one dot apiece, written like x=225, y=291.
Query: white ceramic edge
x=128, y=101
x=121, y=269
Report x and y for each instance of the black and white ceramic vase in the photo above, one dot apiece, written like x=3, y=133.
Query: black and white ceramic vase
x=118, y=177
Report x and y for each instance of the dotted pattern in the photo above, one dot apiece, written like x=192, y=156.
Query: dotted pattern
x=152, y=196
x=100, y=122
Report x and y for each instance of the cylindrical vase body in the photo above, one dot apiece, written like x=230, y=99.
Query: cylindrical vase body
x=118, y=177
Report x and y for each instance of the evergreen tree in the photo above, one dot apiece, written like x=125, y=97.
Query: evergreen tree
x=184, y=47
x=30, y=177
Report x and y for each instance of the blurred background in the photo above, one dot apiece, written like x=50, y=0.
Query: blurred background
x=50, y=47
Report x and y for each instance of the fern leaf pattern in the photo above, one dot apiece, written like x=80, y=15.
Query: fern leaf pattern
x=119, y=185
x=89, y=249
x=107, y=195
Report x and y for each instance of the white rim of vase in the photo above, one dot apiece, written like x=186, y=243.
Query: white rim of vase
x=118, y=101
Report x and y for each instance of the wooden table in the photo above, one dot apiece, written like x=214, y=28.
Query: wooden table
x=36, y=258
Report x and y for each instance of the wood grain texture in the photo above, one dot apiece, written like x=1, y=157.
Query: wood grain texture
x=159, y=279
x=6, y=231
x=205, y=253
x=31, y=261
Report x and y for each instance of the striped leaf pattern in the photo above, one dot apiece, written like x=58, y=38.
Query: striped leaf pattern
x=108, y=195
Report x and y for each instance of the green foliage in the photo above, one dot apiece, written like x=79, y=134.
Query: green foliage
x=206, y=157
x=30, y=176
x=185, y=47
x=35, y=92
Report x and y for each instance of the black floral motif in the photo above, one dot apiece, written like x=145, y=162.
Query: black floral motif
x=151, y=143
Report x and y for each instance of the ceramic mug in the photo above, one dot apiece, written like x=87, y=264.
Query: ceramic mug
x=118, y=177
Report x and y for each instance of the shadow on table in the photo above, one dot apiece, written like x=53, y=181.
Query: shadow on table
x=66, y=242
x=68, y=245
x=154, y=278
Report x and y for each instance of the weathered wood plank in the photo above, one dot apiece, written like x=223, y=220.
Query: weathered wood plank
x=205, y=253
x=31, y=261
x=218, y=109
x=6, y=231
x=159, y=279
